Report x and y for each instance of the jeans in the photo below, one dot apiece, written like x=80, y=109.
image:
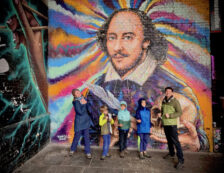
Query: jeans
x=106, y=144
x=144, y=137
x=123, y=135
x=85, y=133
x=172, y=139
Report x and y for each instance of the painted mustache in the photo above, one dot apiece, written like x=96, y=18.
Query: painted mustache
x=119, y=55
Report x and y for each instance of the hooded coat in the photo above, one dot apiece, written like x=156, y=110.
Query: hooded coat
x=143, y=114
x=124, y=117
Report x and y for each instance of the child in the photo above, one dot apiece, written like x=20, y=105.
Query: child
x=82, y=122
x=124, y=125
x=105, y=121
x=143, y=119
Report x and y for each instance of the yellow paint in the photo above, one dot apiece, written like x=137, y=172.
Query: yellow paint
x=169, y=27
x=59, y=37
x=69, y=81
x=83, y=6
x=172, y=53
x=150, y=4
x=201, y=6
x=123, y=3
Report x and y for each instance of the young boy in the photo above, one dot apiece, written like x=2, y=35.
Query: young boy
x=82, y=122
x=105, y=121
x=124, y=120
x=143, y=118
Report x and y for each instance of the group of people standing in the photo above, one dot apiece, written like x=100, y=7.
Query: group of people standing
x=170, y=111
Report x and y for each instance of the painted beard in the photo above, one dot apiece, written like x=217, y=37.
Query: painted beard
x=122, y=72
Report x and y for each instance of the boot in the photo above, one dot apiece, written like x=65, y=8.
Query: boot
x=141, y=156
x=122, y=154
x=146, y=155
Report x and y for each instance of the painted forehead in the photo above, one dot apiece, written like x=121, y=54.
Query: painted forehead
x=125, y=21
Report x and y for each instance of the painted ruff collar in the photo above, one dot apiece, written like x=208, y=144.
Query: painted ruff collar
x=141, y=73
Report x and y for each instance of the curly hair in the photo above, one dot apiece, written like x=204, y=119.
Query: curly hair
x=158, y=44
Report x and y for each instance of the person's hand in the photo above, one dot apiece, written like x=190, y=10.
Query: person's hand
x=129, y=132
x=167, y=115
x=138, y=121
x=120, y=125
x=83, y=101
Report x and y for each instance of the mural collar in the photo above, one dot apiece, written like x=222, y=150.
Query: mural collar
x=140, y=75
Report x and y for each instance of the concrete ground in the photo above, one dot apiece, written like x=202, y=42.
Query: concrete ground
x=54, y=158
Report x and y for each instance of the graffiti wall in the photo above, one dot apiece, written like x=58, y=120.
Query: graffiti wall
x=127, y=49
x=24, y=122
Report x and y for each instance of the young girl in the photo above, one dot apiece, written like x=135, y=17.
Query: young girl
x=105, y=122
x=143, y=118
x=82, y=122
x=124, y=120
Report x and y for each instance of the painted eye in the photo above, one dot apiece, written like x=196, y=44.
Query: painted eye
x=111, y=38
x=128, y=37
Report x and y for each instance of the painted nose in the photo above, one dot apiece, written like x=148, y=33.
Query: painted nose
x=118, y=46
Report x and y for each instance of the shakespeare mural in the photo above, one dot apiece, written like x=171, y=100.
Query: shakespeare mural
x=126, y=50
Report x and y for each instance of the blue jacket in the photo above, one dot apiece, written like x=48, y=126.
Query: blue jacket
x=82, y=118
x=144, y=115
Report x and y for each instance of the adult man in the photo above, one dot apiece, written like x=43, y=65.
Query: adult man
x=136, y=49
x=171, y=109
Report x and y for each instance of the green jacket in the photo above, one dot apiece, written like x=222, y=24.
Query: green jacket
x=105, y=125
x=173, y=108
x=126, y=124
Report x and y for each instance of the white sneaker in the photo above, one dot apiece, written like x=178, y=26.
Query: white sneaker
x=71, y=153
x=88, y=156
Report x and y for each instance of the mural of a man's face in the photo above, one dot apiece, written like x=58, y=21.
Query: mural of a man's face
x=125, y=41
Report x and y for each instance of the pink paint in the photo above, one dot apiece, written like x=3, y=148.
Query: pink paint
x=68, y=121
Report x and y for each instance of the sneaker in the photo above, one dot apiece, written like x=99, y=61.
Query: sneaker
x=168, y=156
x=179, y=165
x=71, y=153
x=108, y=155
x=141, y=156
x=126, y=151
x=122, y=154
x=102, y=157
x=146, y=155
x=88, y=156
